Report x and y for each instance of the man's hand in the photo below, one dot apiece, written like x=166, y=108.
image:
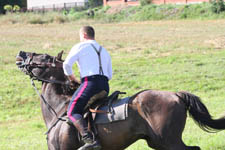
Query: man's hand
x=72, y=78
x=74, y=85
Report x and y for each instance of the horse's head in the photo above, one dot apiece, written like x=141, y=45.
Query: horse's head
x=39, y=66
x=45, y=68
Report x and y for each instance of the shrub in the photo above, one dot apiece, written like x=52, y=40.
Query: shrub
x=77, y=15
x=217, y=6
x=60, y=19
x=37, y=19
x=145, y=2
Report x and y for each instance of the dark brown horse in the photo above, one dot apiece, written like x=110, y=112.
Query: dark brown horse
x=157, y=116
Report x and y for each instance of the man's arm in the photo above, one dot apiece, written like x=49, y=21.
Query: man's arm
x=68, y=63
x=68, y=72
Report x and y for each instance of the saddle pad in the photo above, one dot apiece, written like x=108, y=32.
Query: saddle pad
x=119, y=112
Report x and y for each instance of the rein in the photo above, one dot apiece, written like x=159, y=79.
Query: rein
x=29, y=64
x=42, y=97
x=52, y=110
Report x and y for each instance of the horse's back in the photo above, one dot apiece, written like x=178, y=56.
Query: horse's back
x=158, y=96
x=158, y=100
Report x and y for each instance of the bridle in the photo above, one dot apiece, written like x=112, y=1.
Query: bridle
x=29, y=65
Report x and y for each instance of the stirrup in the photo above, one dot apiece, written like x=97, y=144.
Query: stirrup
x=91, y=146
x=88, y=138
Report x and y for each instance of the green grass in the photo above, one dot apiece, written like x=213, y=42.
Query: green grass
x=165, y=55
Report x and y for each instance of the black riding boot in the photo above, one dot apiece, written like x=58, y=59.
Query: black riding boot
x=87, y=138
x=91, y=146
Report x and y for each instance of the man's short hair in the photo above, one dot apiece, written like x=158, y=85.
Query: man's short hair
x=89, y=31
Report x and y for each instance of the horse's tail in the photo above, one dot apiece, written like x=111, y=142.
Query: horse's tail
x=200, y=114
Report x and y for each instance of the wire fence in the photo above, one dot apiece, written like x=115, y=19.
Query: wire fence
x=54, y=7
x=59, y=7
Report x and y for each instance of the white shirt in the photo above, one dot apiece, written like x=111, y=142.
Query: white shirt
x=87, y=60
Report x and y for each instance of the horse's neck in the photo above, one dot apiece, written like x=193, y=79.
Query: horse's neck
x=54, y=100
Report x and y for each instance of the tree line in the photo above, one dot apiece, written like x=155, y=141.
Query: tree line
x=21, y=3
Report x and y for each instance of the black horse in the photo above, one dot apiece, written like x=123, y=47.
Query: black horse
x=157, y=116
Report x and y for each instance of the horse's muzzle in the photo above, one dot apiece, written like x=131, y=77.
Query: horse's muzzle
x=21, y=58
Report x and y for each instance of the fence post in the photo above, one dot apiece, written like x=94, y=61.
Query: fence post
x=43, y=9
x=64, y=6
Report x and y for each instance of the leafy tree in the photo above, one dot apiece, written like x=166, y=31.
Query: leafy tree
x=23, y=3
x=8, y=8
x=95, y=3
x=20, y=3
x=217, y=6
x=16, y=8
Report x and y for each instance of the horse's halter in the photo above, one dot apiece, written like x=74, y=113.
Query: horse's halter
x=29, y=65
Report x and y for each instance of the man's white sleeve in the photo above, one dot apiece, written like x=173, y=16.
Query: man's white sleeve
x=70, y=60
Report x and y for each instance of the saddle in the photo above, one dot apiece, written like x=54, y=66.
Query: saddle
x=100, y=99
x=95, y=102
x=90, y=110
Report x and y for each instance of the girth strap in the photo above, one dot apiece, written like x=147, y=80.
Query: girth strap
x=99, y=58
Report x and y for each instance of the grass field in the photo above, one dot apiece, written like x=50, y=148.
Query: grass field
x=165, y=55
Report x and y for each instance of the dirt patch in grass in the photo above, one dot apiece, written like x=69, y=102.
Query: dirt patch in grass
x=218, y=43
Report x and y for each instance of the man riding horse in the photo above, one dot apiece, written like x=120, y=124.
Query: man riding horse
x=95, y=68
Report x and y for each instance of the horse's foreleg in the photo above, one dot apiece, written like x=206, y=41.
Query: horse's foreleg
x=67, y=137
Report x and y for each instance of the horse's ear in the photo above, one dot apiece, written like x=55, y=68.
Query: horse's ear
x=59, y=57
